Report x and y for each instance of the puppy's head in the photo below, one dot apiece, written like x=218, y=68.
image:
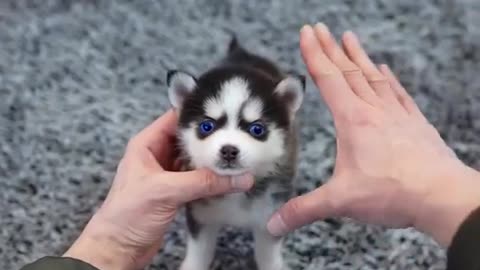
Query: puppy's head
x=235, y=121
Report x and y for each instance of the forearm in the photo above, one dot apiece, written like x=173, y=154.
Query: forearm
x=447, y=206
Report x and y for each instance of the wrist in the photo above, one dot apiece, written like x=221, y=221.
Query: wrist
x=455, y=195
x=98, y=246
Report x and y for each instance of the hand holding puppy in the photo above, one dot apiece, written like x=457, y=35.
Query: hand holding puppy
x=128, y=229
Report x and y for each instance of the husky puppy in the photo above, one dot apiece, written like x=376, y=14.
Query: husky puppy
x=238, y=117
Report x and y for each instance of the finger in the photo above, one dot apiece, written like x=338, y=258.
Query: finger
x=334, y=89
x=376, y=79
x=193, y=185
x=301, y=211
x=402, y=95
x=350, y=70
x=142, y=160
x=159, y=137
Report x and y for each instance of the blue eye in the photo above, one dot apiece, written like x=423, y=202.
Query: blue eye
x=206, y=126
x=256, y=130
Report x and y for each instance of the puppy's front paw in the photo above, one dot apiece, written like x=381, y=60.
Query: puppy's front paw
x=268, y=251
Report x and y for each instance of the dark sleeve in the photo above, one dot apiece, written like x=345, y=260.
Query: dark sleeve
x=464, y=251
x=58, y=263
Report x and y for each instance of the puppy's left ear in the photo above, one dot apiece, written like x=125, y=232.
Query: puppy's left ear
x=291, y=91
x=180, y=85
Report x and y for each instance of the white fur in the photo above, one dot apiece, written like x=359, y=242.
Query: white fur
x=213, y=108
x=232, y=95
x=268, y=251
x=236, y=210
x=252, y=110
x=201, y=250
x=220, y=211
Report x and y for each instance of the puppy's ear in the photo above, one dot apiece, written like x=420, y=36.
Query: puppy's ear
x=234, y=45
x=180, y=85
x=291, y=91
x=235, y=48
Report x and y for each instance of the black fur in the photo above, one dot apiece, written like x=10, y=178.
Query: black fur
x=234, y=45
x=170, y=74
x=239, y=56
x=219, y=123
x=192, y=225
x=260, y=73
x=245, y=125
x=209, y=86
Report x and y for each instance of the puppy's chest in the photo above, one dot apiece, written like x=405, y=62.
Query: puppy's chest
x=240, y=209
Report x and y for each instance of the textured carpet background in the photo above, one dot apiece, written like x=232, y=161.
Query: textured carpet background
x=78, y=78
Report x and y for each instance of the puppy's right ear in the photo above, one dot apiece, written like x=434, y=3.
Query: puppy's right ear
x=234, y=45
x=180, y=85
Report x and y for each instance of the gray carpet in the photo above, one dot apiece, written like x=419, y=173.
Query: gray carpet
x=78, y=78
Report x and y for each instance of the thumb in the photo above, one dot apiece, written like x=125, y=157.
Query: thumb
x=300, y=211
x=204, y=183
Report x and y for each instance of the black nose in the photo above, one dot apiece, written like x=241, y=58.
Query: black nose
x=229, y=152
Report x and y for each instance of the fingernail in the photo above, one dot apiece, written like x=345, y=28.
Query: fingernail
x=322, y=31
x=350, y=34
x=385, y=69
x=306, y=28
x=242, y=182
x=276, y=226
x=322, y=27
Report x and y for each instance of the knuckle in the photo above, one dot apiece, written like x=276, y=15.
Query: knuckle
x=132, y=144
x=409, y=100
x=361, y=117
x=404, y=103
x=123, y=162
x=379, y=83
x=324, y=71
x=405, y=100
x=377, y=78
x=400, y=98
x=291, y=210
x=431, y=130
x=337, y=197
x=321, y=75
x=338, y=56
x=344, y=116
x=127, y=158
x=209, y=182
x=352, y=71
x=337, y=203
